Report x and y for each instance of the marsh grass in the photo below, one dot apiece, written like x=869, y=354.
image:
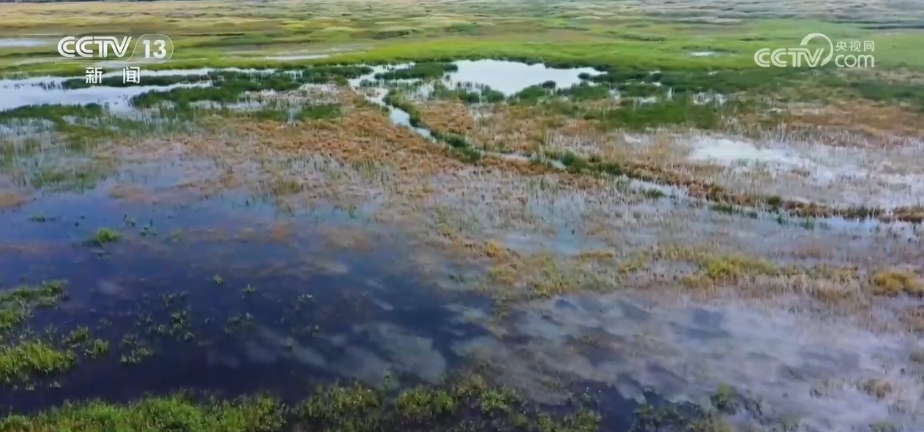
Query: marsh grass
x=53, y=113
x=723, y=399
x=75, y=178
x=23, y=360
x=105, y=236
x=482, y=95
x=180, y=412
x=419, y=70
x=679, y=111
x=908, y=94
x=230, y=86
x=18, y=303
x=877, y=388
x=894, y=282
x=97, y=349
x=457, y=402
x=461, y=399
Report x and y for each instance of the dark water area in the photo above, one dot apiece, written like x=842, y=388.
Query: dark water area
x=229, y=316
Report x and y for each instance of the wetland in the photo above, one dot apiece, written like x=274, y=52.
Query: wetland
x=482, y=217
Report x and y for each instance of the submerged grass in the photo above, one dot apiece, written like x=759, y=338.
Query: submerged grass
x=21, y=361
x=104, y=236
x=17, y=304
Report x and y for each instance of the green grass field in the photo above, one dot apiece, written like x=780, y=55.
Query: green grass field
x=618, y=34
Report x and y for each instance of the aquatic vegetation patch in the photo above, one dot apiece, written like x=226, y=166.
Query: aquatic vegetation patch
x=105, y=236
x=397, y=101
x=231, y=86
x=68, y=178
x=25, y=361
x=18, y=303
x=679, y=111
x=53, y=113
x=21, y=361
x=419, y=71
x=586, y=92
x=482, y=95
x=287, y=115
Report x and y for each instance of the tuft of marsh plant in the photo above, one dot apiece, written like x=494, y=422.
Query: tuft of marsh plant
x=103, y=236
x=891, y=283
x=877, y=388
x=77, y=336
x=97, y=349
x=22, y=362
x=723, y=399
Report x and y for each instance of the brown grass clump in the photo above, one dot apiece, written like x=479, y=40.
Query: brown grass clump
x=859, y=116
x=877, y=388
x=831, y=292
x=493, y=249
x=913, y=318
x=892, y=283
x=446, y=116
x=697, y=281
x=730, y=268
x=12, y=199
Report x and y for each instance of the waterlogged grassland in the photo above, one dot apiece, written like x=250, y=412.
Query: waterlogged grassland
x=379, y=246
x=238, y=152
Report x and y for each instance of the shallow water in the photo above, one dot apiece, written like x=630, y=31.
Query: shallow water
x=177, y=282
x=115, y=98
x=703, y=53
x=799, y=366
x=511, y=77
x=321, y=311
x=505, y=76
x=873, y=177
